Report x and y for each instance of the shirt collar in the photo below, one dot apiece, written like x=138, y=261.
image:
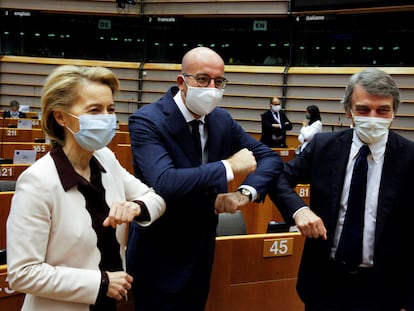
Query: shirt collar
x=377, y=149
x=67, y=174
x=187, y=114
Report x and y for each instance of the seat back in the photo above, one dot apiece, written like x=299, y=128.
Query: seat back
x=231, y=224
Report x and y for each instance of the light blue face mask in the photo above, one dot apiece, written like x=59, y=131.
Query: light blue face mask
x=95, y=130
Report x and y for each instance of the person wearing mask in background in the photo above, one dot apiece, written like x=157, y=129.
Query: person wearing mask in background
x=14, y=111
x=171, y=261
x=357, y=253
x=66, y=232
x=311, y=126
x=275, y=123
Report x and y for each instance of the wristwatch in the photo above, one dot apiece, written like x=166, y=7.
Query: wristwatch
x=246, y=192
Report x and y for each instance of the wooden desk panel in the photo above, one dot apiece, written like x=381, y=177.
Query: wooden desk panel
x=286, y=154
x=244, y=280
x=9, y=299
x=6, y=122
x=20, y=135
x=7, y=148
x=119, y=138
x=11, y=171
x=5, y=202
x=124, y=155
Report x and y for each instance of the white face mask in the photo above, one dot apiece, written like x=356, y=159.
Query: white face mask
x=371, y=129
x=276, y=108
x=202, y=100
x=95, y=130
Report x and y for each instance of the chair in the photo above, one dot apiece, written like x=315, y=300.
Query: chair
x=231, y=224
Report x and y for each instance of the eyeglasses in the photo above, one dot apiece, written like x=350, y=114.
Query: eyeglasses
x=204, y=80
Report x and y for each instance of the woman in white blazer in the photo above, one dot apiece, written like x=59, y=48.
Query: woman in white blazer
x=67, y=228
x=311, y=126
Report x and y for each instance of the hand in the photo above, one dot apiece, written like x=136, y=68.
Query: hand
x=242, y=162
x=122, y=212
x=309, y=224
x=119, y=284
x=276, y=125
x=230, y=202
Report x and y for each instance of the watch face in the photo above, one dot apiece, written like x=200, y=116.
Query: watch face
x=244, y=191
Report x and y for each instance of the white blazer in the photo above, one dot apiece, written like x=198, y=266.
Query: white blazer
x=307, y=133
x=52, y=253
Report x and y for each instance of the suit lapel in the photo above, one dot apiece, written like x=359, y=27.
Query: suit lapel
x=179, y=131
x=340, y=150
x=389, y=183
x=214, y=127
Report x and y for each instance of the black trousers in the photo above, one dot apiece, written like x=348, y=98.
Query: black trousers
x=348, y=289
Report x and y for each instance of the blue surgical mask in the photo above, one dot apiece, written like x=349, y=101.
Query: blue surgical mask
x=95, y=130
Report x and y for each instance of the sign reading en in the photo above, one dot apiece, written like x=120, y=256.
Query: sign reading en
x=259, y=25
x=104, y=24
x=277, y=247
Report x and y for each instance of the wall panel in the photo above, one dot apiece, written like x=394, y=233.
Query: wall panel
x=246, y=96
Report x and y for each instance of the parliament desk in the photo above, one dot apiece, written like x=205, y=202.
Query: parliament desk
x=123, y=153
x=10, y=300
x=7, y=148
x=11, y=171
x=20, y=134
x=250, y=272
x=286, y=154
x=5, y=202
x=256, y=272
x=21, y=122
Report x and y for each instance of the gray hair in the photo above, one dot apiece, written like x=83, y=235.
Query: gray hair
x=375, y=82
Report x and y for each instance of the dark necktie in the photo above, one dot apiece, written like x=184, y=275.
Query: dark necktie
x=195, y=134
x=350, y=244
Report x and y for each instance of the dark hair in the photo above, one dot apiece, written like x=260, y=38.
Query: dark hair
x=14, y=103
x=314, y=113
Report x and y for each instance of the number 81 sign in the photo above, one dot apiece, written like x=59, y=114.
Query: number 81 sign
x=277, y=247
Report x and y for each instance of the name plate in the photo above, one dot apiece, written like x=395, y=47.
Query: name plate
x=277, y=247
x=303, y=191
x=6, y=171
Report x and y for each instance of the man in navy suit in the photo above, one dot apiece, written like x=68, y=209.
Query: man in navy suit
x=382, y=277
x=171, y=261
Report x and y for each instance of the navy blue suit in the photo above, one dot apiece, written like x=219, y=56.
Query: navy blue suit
x=323, y=165
x=171, y=260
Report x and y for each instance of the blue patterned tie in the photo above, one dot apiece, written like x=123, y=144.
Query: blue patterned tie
x=350, y=244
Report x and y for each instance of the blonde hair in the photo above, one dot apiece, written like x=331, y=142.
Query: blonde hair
x=61, y=90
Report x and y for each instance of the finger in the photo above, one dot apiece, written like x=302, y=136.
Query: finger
x=106, y=222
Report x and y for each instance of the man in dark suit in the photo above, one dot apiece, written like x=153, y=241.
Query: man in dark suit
x=14, y=111
x=378, y=273
x=171, y=260
x=275, y=123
